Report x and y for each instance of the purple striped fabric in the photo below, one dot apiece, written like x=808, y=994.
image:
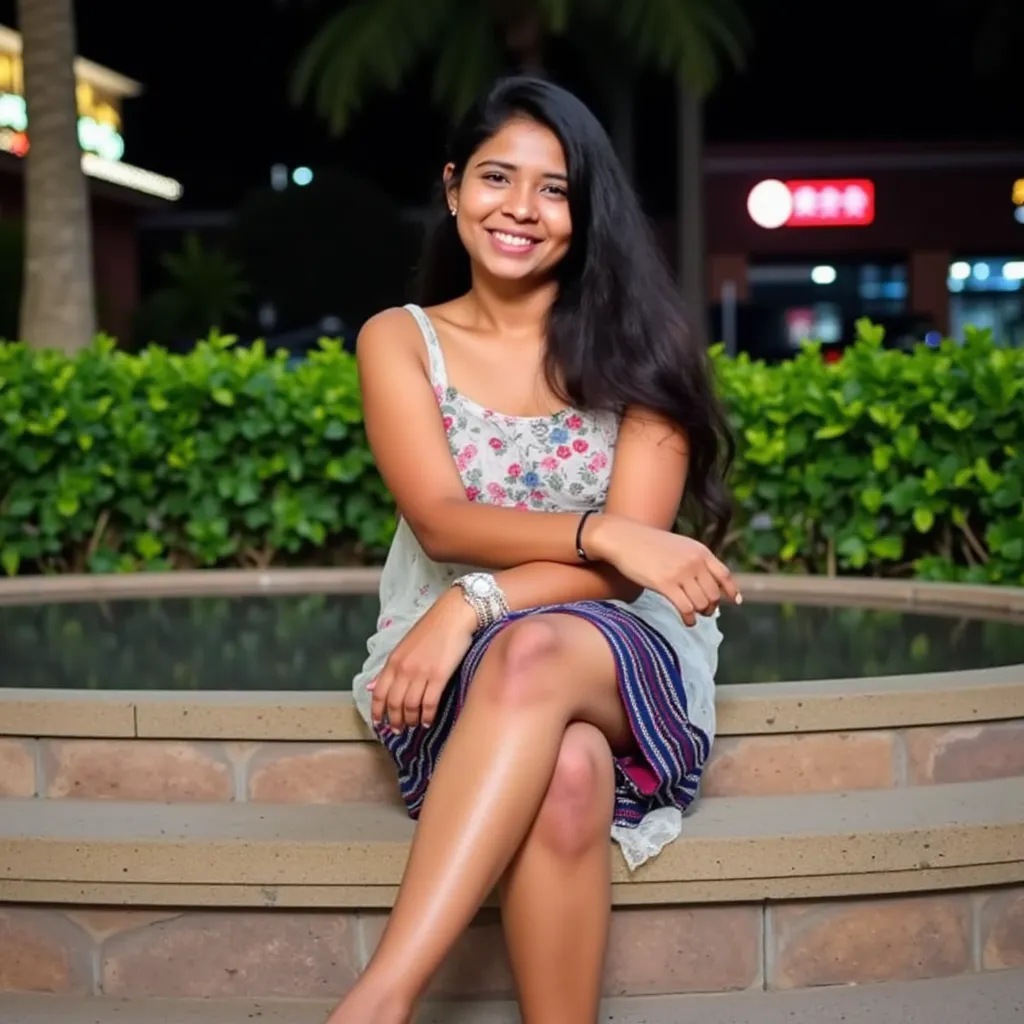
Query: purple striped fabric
x=671, y=751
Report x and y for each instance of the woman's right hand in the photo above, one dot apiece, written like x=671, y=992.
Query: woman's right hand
x=680, y=568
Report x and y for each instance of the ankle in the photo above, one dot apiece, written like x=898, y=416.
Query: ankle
x=372, y=1001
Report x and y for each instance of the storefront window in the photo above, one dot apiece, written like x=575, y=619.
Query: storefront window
x=988, y=292
x=792, y=302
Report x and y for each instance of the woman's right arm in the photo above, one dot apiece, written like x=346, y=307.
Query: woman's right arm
x=409, y=444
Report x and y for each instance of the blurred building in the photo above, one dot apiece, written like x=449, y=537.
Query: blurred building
x=803, y=240
x=119, y=191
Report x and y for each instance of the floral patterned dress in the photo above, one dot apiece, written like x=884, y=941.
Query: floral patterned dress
x=558, y=463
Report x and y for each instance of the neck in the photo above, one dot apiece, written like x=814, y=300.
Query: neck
x=511, y=307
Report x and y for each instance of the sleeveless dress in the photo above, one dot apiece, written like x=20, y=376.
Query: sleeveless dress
x=559, y=463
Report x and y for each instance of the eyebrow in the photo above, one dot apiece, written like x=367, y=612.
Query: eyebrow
x=505, y=166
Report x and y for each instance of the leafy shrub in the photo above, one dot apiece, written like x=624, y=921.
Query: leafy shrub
x=885, y=463
x=222, y=456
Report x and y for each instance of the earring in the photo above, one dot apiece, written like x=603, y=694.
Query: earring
x=454, y=211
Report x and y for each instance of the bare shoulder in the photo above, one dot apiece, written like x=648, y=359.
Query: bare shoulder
x=390, y=327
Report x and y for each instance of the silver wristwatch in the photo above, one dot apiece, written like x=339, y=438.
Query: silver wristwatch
x=484, y=595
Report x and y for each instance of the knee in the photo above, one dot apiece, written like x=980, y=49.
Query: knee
x=518, y=672
x=577, y=810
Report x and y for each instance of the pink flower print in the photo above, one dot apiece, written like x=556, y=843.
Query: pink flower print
x=579, y=445
x=424, y=590
x=563, y=451
x=537, y=495
x=522, y=505
x=549, y=464
x=574, y=422
x=515, y=469
x=465, y=457
x=385, y=623
x=448, y=421
x=497, y=492
x=472, y=493
x=439, y=393
x=599, y=461
x=495, y=443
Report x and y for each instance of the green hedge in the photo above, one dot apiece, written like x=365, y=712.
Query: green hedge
x=885, y=463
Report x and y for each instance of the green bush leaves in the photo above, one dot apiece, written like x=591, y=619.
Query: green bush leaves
x=224, y=456
x=884, y=463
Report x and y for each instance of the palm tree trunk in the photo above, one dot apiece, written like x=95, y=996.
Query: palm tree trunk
x=690, y=205
x=58, y=305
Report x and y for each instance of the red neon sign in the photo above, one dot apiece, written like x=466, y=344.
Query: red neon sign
x=813, y=203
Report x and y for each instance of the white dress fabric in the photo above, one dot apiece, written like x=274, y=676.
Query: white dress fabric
x=559, y=463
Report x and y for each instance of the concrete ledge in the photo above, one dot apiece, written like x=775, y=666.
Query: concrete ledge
x=206, y=582
x=832, y=705
x=775, y=847
x=995, y=998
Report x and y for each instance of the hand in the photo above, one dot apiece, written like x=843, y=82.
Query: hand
x=417, y=671
x=680, y=568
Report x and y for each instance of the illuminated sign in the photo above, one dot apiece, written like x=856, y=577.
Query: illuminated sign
x=94, y=136
x=1018, y=192
x=812, y=203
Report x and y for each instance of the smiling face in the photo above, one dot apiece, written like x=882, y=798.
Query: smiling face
x=513, y=204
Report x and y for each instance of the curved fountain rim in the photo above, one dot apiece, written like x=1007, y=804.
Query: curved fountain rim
x=828, y=705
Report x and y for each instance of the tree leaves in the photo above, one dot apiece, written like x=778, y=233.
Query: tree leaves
x=375, y=45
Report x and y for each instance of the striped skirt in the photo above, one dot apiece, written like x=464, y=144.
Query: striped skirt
x=665, y=768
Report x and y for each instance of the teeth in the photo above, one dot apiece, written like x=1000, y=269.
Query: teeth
x=512, y=239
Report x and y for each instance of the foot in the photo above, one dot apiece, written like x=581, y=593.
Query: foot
x=362, y=1006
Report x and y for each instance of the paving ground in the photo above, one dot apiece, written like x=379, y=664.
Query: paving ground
x=996, y=998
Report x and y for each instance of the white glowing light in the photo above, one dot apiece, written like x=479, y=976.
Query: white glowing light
x=770, y=204
x=129, y=176
x=823, y=275
x=960, y=271
x=1014, y=270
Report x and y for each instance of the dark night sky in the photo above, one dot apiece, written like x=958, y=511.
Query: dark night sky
x=216, y=115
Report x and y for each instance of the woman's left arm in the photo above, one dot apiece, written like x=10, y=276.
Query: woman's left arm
x=651, y=460
x=648, y=478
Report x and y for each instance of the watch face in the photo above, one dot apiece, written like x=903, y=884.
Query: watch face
x=481, y=586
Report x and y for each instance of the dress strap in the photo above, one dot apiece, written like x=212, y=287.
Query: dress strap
x=435, y=357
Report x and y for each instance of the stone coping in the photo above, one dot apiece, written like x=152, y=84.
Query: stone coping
x=996, y=997
x=787, y=707
x=732, y=848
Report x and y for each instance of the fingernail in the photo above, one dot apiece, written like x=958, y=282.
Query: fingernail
x=370, y=686
x=739, y=599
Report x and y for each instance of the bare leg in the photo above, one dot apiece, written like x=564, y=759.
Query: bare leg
x=556, y=896
x=539, y=675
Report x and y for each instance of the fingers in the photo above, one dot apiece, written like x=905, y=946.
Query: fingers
x=681, y=599
x=411, y=707
x=405, y=702
x=709, y=589
x=723, y=577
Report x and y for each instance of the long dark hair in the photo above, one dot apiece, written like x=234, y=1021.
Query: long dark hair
x=618, y=334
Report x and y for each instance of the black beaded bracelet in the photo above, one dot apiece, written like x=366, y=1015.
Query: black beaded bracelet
x=579, y=534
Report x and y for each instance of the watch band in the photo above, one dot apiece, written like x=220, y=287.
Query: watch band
x=485, y=597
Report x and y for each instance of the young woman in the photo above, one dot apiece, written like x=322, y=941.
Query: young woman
x=537, y=422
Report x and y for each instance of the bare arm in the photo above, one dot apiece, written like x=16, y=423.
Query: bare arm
x=408, y=442
x=648, y=476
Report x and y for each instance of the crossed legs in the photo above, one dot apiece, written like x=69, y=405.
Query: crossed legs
x=523, y=793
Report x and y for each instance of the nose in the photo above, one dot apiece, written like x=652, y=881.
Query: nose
x=521, y=204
